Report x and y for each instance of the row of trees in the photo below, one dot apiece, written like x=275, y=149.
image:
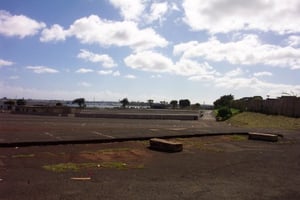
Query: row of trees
x=183, y=103
x=18, y=102
x=174, y=104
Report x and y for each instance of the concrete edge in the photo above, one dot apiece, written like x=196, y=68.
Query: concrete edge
x=108, y=140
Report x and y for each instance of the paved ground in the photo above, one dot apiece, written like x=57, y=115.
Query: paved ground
x=219, y=167
x=27, y=128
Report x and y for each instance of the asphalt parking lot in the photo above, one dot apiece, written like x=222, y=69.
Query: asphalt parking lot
x=28, y=128
x=210, y=167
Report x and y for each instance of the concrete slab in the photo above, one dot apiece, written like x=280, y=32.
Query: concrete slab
x=263, y=136
x=165, y=145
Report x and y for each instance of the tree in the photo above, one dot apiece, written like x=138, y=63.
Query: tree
x=124, y=102
x=58, y=104
x=196, y=106
x=80, y=102
x=10, y=104
x=224, y=113
x=258, y=98
x=150, y=102
x=183, y=103
x=21, y=102
x=174, y=103
x=224, y=101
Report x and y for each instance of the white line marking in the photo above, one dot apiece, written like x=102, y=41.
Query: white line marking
x=49, y=134
x=101, y=134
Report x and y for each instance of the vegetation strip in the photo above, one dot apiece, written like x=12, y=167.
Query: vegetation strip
x=64, y=167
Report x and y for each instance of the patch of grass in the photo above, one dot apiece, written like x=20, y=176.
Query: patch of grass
x=201, y=145
x=235, y=111
x=23, y=156
x=257, y=120
x=238, y=137
x=112, y=150
x=114, y=165
x=65, y=167
x=208, y=147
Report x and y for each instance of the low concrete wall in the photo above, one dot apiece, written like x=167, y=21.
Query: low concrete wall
x=76, y=112
x=45, y=110
x=139, y=116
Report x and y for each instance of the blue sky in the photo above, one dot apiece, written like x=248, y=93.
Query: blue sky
x=144, y=49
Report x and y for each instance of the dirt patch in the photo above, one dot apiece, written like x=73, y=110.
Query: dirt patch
x=116, y=154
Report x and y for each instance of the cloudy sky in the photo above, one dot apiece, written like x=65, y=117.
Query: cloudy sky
x=149, y=49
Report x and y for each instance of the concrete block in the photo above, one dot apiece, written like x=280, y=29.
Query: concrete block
x=165, y=145
x=263, y=136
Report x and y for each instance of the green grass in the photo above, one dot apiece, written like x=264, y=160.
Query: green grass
x=238, y=137
x=65, y=167
x=257, y=120
x=23, y=156
x=103, y=151
x=234, y=111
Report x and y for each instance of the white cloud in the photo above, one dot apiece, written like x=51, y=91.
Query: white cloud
x=104, y=59
x=116, y=73
x=174, y=7
x=12, y=91
x=18, y=25
x=294, y=40
x=105, y=72
x=94, y=30
x=154, y=62
x=84, y=70
x=234, y=81
x=157, y=12
x=55, y=33
x=42, y=70
x=258, y=74
x=234, y=73
x=84, y=84
x=130, y=76
x=5, y=63
x=130, y=9
x=255, y=86
x=223, y=16
x=109, y=72
x=204, y=77
x=247, y=51
x=14, y=77
x=149, y=61
x=156, y=76
x=188, y=67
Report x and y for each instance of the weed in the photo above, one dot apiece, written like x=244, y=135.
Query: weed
x=103, y=151
x=23, y=156
x=64, y=167
x=238, y=137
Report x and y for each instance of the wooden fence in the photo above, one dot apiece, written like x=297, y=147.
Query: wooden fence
x=285, y=105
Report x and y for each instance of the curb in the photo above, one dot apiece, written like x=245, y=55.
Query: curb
x=110, y=140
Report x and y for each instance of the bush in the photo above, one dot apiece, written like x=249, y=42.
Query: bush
x=224, y=113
